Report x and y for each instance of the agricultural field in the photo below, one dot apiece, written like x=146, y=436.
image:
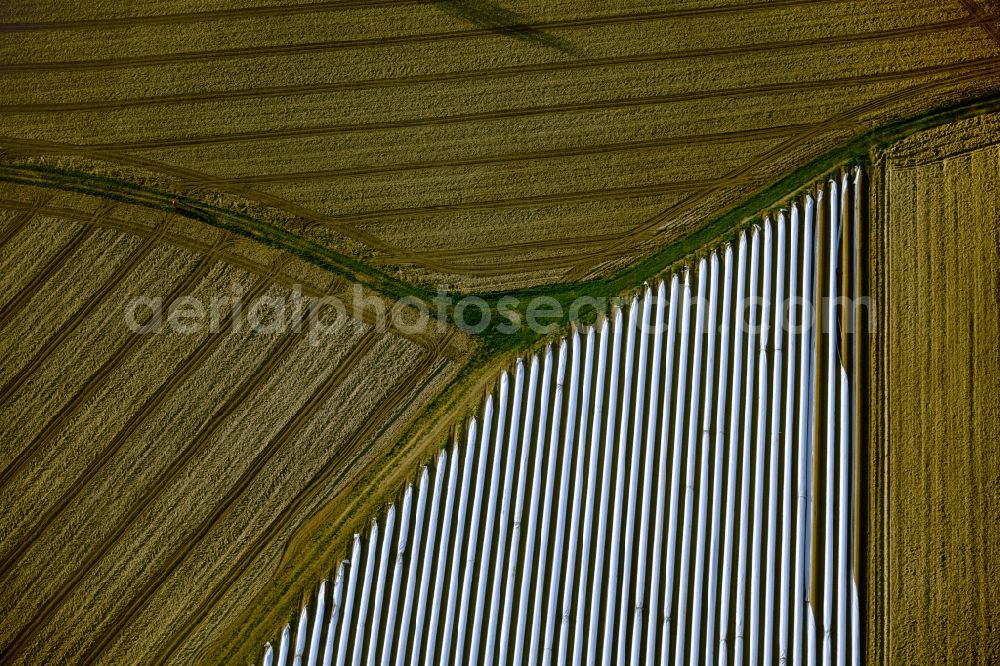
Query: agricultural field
x=936, y=407
x=177, y=481
x=456, y=142
x=676, y=484
x=152, y=480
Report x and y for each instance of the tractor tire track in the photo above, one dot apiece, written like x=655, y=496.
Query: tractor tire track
x=216, y=55
x=21, y=220
x=576, y=151
x=982, y=19
x=112, y=152
x=94, y=301
x=378, y=419
x=512, y=248
x=287, y=433
x=970, y=71
x=187, y=176
x=195, y=619
x=535, y=265
x=237, y=260
x=249, y=386
x=94, y=383
x=493, y=73
x=172, y=238
x=167, y=237
x=13, y=307
x=187, y=367
x=13, y=228
x=268, y=11
x=332, y=6
x=521, y=266
x=187, y=243
x=541, y=110
x=539, y=200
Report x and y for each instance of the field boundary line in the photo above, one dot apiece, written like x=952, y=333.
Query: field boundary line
x=178, y=240
x=188, y=243
x=136, y=194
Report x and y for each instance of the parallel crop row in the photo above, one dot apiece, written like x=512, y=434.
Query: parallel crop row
x=676, y=485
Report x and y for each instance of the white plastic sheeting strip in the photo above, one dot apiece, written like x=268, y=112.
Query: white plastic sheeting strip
x=675, y=485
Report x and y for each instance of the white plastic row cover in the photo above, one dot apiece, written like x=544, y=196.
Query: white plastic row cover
x=674, y=485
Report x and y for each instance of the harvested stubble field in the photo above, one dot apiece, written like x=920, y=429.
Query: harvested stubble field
x=153, y=481
x=358, y=122
x=936, y=414
x=171, y=497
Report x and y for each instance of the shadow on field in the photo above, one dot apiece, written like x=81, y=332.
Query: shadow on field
x=491, y=15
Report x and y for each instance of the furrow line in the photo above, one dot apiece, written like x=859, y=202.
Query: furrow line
x=13, y=307
x=181, y=241
x=576, y=151
x=499, y=250
x=542, y=110
x=497, y=72
x=267, y=11
x=185, y=177
x=94, y=383
x=376, y=420
x=287, y=433
x=985, y=21
x=979, y=69
x=191, y=363
x=96, y=380
x=53, y=343
x=335, y=5
x=21, y=220
x=969, y=71
x=188, y=243
x=377, y=42
x=543, y=199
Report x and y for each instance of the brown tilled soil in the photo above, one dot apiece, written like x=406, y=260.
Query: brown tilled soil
x=936, y=480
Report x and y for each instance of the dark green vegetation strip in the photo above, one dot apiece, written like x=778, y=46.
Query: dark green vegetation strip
x=718, y=230
x=237, y=223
